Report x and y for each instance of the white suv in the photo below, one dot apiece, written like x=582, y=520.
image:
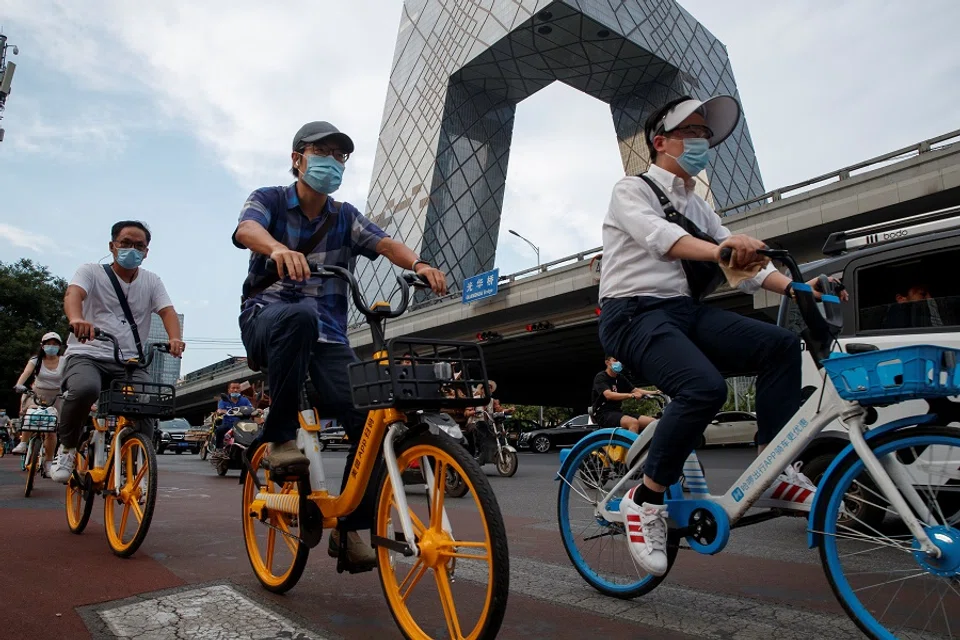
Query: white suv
x=902, y=292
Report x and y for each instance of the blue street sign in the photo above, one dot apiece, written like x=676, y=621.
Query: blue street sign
x=483, y=285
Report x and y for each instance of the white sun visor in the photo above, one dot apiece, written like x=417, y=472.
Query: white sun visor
x=720, y=113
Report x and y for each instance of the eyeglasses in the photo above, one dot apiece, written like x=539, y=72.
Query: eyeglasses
x=338, y=155
x=691, y=131
x=127, y=244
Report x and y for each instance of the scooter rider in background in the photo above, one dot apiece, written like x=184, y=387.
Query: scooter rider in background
x=232, y=399
x=610, y=389
x=656, y=237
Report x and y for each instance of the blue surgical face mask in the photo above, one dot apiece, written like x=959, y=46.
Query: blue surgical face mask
x=129, y=258
x=324, y=174
x=617, y=367
x=695, y=156
x=51, y=349
x=234, y=396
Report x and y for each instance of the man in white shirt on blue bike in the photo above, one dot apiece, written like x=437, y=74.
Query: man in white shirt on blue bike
x=656, y=325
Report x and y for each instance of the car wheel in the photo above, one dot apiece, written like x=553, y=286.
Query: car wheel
x=323, y=445
x=179, y=451
x=160, y=450
x=702, y=442
x=541, y=444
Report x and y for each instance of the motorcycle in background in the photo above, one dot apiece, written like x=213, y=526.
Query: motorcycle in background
x=493, y=447
x=236, y=441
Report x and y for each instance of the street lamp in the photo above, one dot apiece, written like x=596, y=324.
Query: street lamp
x=535, y=247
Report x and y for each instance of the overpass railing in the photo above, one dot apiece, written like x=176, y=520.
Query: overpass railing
x=845, y=173
x=546, y=267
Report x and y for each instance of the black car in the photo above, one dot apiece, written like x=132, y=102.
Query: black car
x=567, y=434
x=173, y=436
x=515, y=427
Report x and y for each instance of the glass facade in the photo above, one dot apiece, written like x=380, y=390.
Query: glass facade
x=461, y=68
x=165, y=369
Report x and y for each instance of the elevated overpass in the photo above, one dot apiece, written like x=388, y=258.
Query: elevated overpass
x=554, y=367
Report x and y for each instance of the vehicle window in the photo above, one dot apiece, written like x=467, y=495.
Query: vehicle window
x=921, y=292
x=579, y=421
x=792, y=319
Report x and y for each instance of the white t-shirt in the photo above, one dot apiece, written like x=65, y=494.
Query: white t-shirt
x=637, y=237
x=47, y=379
x=145, y=295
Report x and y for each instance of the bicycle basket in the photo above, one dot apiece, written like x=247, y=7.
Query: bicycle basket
x=420, y=374
x=137, y=400
x=890, y=376
x=40, y=419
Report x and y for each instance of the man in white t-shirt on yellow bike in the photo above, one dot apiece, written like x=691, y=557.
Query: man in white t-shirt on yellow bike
x=91, y=303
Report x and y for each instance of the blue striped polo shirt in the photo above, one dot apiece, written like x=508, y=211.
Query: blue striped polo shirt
x=352, y=235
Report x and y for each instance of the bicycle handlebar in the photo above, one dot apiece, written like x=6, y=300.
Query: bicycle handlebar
x=103, y=336
x=404, y=280
x=821, y=327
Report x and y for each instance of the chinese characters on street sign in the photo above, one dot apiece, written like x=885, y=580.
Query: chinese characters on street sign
x=482, y=285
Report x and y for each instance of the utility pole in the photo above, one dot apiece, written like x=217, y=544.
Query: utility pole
x=6, y=74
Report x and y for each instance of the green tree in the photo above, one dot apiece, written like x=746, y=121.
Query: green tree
x=31, y=303
x=551, y=415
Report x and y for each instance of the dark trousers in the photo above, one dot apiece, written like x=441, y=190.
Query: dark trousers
x=680, y=346
x=283, y=339
x=220, y=432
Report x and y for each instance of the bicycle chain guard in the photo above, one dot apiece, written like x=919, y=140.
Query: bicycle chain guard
x=309, y=517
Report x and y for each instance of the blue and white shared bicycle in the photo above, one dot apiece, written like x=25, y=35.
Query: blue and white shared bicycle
x=900, y=579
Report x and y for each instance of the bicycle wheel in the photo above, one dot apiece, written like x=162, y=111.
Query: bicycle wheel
x=277, y=567
x=470, y=543
x=596, y=547
x=80, y=499
x=135, y=494
x=33, y=461
x=884, y=583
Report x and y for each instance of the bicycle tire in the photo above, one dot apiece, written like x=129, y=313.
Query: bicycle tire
x=834, y=493
x=589, y=574
x=274, y=582
x=79, y=502
x=498, y=587
x=33, y=456
x=114, y=536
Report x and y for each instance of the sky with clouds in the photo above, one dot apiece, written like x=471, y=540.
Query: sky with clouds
x=172, y=112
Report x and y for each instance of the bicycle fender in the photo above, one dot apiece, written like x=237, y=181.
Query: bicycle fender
x=815, y=523
x=599, y=434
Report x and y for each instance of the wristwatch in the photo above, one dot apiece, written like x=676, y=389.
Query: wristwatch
x=416, y=262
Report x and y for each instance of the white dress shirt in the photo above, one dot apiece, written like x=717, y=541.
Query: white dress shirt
x=637, y=237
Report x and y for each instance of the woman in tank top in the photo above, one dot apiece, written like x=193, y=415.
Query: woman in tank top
x=47, y=369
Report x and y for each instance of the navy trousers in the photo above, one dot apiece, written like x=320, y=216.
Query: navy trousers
x=680, y=346
x=283, y=339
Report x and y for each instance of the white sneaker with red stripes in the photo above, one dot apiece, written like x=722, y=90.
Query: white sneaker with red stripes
x=792, y=490
x=646, y=533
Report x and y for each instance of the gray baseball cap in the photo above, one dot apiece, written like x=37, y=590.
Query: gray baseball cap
x=313, y=131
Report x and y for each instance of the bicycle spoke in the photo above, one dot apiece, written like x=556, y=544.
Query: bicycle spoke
x=439, y=484
x=414, y=576
x=446, y=600
x=136, y=510
x=271, y=542
x=123, y=519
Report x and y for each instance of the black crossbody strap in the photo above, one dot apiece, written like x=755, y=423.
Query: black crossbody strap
x=126, y=308
x=304, y=247
x=675, y=216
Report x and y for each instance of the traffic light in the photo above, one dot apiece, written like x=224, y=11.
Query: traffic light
x=488, y=336
x=540, y=326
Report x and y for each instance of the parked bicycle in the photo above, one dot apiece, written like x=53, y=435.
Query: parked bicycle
x=122, y=469
x=40, y=421
x=414, y=535
x=897, y=580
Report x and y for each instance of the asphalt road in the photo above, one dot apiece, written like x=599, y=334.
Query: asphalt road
x=766, y=584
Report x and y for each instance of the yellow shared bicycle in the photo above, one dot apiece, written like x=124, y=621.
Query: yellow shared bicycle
x=121, y=468
x=444, y=570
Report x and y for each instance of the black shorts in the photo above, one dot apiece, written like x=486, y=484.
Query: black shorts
x=609, y=419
